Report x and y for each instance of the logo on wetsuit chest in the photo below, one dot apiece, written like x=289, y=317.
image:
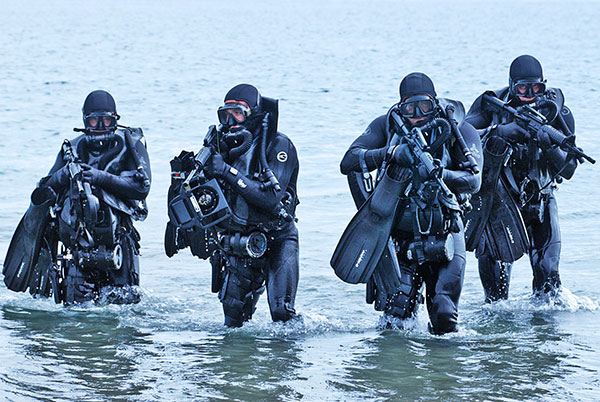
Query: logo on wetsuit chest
x=282, y=156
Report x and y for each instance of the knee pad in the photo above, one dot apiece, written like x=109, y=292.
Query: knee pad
x=443, y=315
x=234, y=311
x=550, y=285
x=232, y=322
x=544, y=263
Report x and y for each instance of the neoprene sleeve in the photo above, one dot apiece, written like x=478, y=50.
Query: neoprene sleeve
x=373, y=142
x=124, y=186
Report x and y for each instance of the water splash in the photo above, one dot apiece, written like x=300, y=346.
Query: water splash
x=418, y=325
x=563, y=300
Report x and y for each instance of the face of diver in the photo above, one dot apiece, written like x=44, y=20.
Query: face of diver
x=100, y=128
x=527, y=90
x=233, y=114
x=417, y=109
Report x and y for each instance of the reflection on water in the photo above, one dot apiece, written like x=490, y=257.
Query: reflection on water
x=79, y=351
x=517, y=357
x=255, y=366
x=508, y=350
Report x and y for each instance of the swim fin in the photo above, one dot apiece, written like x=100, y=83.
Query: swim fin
x=495, y=221
x=24, y=249
x=39, y=280
x=385, y=279
x=476, y=219
x=505, y=234
x=495, y=151
x=366, y=236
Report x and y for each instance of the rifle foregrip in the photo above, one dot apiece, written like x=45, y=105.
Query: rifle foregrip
x=427, y=160
x=558, y=138
x=555, y=136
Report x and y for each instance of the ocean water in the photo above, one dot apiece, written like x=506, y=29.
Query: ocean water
x=335, y=66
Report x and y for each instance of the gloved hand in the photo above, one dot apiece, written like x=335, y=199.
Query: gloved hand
x=512, y=132
x=217, y=166
x=430, y=175
x=93, y=176
x=543, y=138
x=402, y=156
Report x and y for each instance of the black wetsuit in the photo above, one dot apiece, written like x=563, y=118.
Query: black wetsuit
x=256, y=209
x=122, y=195
x=540, y=168
x=443, y=280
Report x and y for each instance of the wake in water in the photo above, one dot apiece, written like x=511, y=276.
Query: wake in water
x=418, y=325
x=175, y=314
x=563, y=300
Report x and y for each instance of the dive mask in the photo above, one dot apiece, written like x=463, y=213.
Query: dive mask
x=417, y=106
x=100, y=121
x=232, y=114
x=529, y=88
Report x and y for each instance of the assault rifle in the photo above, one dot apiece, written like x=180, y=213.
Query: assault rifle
x=419, y=149
x=533, y=121
x=85, y=202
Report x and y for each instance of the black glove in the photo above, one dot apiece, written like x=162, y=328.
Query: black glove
x=217, y=166
x=94, y=176
x=512, y=132
x=402, y=156
x=543, y=138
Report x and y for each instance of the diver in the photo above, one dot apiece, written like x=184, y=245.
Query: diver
x=408, y=230
x=515, y=211
x=77, y=241
x=234, y=202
